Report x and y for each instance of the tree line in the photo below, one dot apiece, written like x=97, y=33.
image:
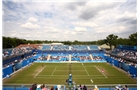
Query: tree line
x=111, y=40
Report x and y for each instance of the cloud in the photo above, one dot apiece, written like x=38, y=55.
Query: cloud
x=85, y=24
x=127, y=14
x=80, y=29
x=74, y=5
x=29, y=25
x=127, y=18
x=2, y=12
x=88, y=14
x=91, y=10
x=83, y=21
x=51, y=30
x=73, y=33
x=32, y=19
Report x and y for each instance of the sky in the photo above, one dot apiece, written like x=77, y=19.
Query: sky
x=82, y=20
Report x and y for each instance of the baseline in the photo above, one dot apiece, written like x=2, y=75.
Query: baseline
x=74, y=78
x=67, y=75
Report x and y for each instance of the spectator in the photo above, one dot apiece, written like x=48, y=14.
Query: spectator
x=31, y=88
x=80, y=87
x=43, y=87
x=118, y=87
x=84, y=87
x=52, y=88
x=125, y=87
x=95, y=88
x=34, y=86
x=59, y=87
x=38, y=87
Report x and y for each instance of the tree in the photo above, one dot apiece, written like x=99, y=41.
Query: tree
x=111, y=40
x=133, y=39
x=100, y=42
x=67, y=43
x=124, y=41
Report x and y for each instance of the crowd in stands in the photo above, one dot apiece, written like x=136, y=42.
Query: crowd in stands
x=80, y=87
x=16, y=61
x=54, y=57
x=123, y=56
x=10, y=53
x=59, y=57
x=97, y=57
x=65, y=57
x=125, y=53
x=80, y=57
x=119, y=87
x=43, y=57
x=7, y=65
x=44, y=87
x=74, y=57
x=85, y=58
x=123, y=60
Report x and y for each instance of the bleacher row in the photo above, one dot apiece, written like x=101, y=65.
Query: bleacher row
x=70, y=57
x=125, y=53
x=67, y=47
x=26, y=49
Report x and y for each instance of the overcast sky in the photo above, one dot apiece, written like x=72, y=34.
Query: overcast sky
x=62, y=21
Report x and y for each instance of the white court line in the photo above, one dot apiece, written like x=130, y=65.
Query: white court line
x=72, y=70
x=91, y=80
x=53, y=71
x=73, y=78
x=74, y=75
x=100, y=71
x=39, y=71
x=86, y=70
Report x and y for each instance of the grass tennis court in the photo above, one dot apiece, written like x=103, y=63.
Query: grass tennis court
x=82, y=73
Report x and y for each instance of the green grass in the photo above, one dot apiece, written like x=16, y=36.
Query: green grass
x=57, y=73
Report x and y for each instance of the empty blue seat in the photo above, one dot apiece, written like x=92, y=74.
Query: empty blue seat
x=132, y=88
x=22, y=88
x=8, y=88
x=104, y=88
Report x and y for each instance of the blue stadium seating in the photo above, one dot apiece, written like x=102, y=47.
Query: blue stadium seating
x=22, y=88
x=8, y=88
x=93, y=47
x=104, y=88
x=132, y=88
